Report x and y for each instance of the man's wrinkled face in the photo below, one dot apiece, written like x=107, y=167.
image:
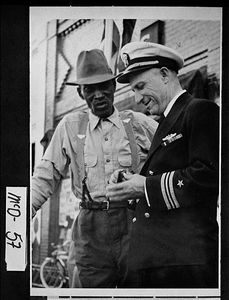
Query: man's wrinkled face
x=150, y=90
x=99, y=97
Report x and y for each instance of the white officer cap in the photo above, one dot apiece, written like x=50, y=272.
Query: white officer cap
x=138, y=56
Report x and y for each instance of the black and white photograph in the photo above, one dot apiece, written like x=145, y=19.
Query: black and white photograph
x=125, y=142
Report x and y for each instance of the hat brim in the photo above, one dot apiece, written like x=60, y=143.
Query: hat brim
x=92, y=79
x=124, y=76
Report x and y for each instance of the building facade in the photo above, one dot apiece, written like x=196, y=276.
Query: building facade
x=199, y=42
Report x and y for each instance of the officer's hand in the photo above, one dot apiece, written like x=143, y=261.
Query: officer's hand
x=132, y=188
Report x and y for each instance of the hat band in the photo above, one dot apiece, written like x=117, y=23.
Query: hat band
x=158, y=62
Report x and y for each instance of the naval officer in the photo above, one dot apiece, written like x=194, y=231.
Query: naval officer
x=174, y=242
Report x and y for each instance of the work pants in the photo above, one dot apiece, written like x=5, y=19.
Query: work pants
x=101, y=239
x=73, y=275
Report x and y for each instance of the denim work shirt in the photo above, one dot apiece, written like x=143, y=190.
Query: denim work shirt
x=106, y=149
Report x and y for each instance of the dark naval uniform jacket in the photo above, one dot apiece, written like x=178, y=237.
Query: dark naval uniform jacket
x=179, y=227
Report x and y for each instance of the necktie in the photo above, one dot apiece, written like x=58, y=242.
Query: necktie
x=161, y=119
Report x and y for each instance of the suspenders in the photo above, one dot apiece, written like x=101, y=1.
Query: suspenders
x=81, y=140
x=133, y=145
x=80, y=145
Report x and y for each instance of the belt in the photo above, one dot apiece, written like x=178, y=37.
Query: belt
x=103, y=205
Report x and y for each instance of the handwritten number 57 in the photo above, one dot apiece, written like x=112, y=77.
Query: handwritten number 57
x=14, y=238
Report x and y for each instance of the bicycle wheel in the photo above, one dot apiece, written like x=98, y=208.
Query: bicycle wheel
x=52, y=273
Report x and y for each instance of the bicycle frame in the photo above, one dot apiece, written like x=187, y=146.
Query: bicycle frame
x=58, y=257
x=62, y=258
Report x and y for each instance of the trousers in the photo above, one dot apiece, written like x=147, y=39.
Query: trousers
x=101, y=240
x=73, y=275
x=187, y=276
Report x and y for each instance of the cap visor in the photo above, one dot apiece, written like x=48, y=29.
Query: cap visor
x=124, y=77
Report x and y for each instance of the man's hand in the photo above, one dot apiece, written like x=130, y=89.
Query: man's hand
x=115, y=175
x=132, y=188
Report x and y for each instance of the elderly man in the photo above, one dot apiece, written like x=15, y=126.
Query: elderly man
x=93, y=145
x=174, y=242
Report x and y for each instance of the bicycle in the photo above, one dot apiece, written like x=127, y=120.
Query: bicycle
x=53, y=270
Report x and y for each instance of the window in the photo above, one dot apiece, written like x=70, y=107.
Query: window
x=153, y=33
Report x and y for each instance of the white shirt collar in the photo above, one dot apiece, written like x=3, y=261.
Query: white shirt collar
x=114, y=118
x=169, y=106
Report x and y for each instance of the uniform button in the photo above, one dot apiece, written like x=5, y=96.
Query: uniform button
x=108, y=160
x=147, y=215
x=134, y=219
x=106, y=138
x=151, y=172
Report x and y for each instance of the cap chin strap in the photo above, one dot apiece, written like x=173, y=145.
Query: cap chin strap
x=156, y=61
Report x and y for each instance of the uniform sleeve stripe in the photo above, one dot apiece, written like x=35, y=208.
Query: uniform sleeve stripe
x=167, y=179
x=164, y=191
x=168, y=191
x=146, y=194
x=172, y=190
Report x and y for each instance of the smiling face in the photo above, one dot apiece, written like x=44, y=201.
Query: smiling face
x=99, y=97
x=151, y=89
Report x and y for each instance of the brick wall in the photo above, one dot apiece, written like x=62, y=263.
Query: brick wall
x=191, y=38
x=198, y=42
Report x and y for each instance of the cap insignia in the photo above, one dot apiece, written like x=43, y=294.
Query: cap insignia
x=126, y=59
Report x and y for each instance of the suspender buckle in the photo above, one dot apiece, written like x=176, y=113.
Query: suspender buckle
x=107, y=203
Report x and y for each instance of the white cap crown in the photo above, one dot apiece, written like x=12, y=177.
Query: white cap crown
x=141, y=55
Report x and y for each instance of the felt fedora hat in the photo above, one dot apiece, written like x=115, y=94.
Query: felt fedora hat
x=91, y=68
x=138, y=56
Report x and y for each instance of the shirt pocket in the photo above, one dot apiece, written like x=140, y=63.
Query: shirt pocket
x=125, y=161
x=91, y=162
